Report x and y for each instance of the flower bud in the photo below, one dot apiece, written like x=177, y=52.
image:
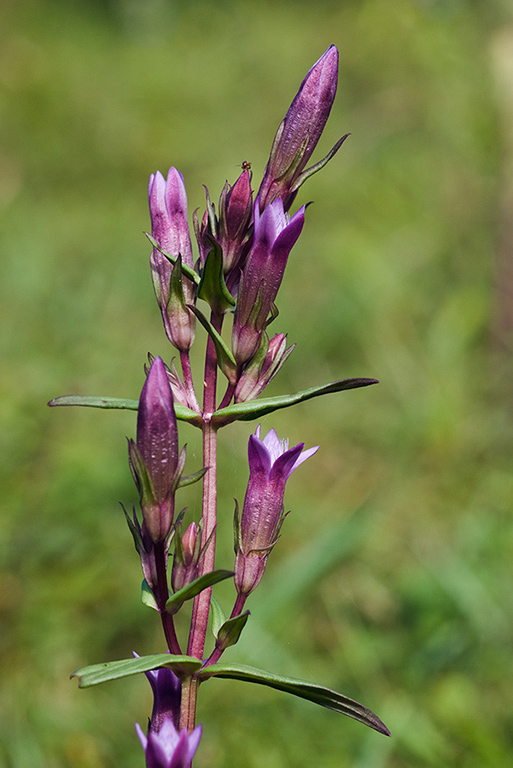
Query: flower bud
x=168, y=209
x=177, y=385
x=186, y=558
x=235, y=210
x=154, y=457
x=300, y=131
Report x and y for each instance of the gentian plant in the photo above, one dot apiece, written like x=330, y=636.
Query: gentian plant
x=243, y=249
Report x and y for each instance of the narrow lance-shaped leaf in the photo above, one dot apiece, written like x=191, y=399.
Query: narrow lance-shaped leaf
x=318, y=694
x=113, y=670
x=93, y=401
x=176, y=601
x=254, y=409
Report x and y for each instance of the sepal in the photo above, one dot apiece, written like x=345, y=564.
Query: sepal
x=212, y=288
x=187, y=271
x=147, y=596
x=191, y=479
x=218, y=616
x=263, y=367
x=230, y=631
x=317, y=167
x=179, y=322
x=140, y=474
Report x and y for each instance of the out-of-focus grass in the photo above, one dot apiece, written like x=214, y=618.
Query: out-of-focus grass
x=392, y=580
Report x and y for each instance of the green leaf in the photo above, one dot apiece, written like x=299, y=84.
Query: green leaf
x=187, y=271
x=218, y=616
x=257, y=408
x=230, y=631
x=225, y=359
x=94, y=401
x=176, y=601
x=147, y=596
x=212, y=288
x=318, y=694
x=112, y=670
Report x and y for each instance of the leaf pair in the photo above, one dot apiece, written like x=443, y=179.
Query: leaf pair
x=187, y=665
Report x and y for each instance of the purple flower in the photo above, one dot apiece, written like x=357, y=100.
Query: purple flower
x=274, y=236
x=271, y=463
x=167, y=748
x=300, y=131
x=154, y=458
x=168, y=209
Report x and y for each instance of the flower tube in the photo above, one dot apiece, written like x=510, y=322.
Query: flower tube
x=271, y=463
x=274, y=236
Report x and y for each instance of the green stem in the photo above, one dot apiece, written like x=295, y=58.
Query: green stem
x=188, y=706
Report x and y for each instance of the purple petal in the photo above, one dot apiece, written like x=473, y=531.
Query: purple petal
x=259, y=457
x=194, y=740
x=142, y=736
x=286, y=463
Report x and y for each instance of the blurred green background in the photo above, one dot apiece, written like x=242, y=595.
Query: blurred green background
x=392, y=580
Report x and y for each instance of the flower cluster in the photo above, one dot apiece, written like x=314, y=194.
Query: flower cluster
x=243, y=247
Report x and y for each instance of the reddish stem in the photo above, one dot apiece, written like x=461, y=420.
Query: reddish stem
x=201, y=604
x=237, y=609
x=161, y=593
